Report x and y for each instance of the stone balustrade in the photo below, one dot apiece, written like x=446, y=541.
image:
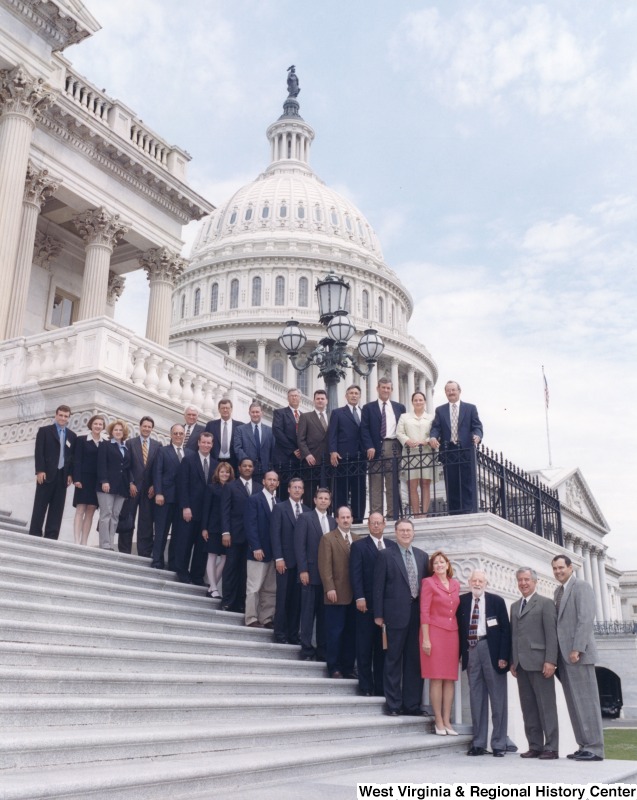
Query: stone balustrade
x=87, y=96
x=98, y=348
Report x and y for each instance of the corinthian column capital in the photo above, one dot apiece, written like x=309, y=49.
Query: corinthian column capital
x=115, y=287
x=161, y=264
x=99, y=226
x=39, y=185
x=21, y=93
x=45, y=248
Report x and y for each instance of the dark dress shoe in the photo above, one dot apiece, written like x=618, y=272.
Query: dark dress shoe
x=549, y=755
x=351, y=674
x=391, y=712
x=254, y=624
x=306, y=657
x=367, y=694
x=280, y=640
x=575, y=754
x=511, y=748
x=415, y=712
x=478, y=751
x=294, y=640
x=586, y=755
x=531, y=754
x=269, y=626
x=499, y=753
x=336, y=674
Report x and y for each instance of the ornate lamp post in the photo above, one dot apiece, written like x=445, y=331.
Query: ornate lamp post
x=330, y=355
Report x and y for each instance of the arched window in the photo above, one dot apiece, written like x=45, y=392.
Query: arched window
x=365, y=304
x=304, y=297
x=248, y=214
x=279, y=291
x=318, y=214
x=348, y=222
x=334, y=216
x=381, y=310
x=265, y=211
x=197, y=303
x=182, y=310
x=277, y=370
x=303, y=382
x=300, y=211
x=233, y=217
x=234, y=293
x=392, y=315
x=283, y=210
x=256, y=291
x=214, y=297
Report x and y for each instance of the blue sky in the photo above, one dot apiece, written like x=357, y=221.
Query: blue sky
x=492, y=145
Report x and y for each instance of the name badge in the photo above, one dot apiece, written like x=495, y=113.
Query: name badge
x=68, y=444
x=492, y=622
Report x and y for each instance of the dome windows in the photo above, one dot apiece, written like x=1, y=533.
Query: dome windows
x=300, y=211
x=283, y=210
x=381, y=310
x=348, y=223
x=234, y=293
x=248, y=214
x=265, y=211
x=233, y=217
x=334, y=217
x=318, y=213
x=279, y=291
x=304, y=293
x=365, y=304
x=197, y=303
x=214, y=297
x=256, y=291
x=182, y=307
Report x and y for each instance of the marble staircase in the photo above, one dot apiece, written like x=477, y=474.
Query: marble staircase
x=116, y=681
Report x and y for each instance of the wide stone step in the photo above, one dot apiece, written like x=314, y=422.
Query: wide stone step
x=63, y=745
x=38, y=632
x=225, y=624
x=29, y=681
x=103, y=659
x=17, y=583
x=171, y=776
x=49, y=710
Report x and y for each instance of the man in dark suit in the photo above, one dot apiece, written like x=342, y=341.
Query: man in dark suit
x=309, y=530
x=378, y=436
x=260, y=579
x=485, y=649
x=195, y=473
x=222, y=430
x=254, y=440
x=456, y=431
x=347, y=454
x=192, y=428
x=233, y=538
x=370, y=655
x=338, y=598
x=54, y=446
x=397, y=577
x=575, y=604
x=287, y=615
x=533, y=663
x=312, y=438
x=165, y=471
x=143, y=451
x=286, y=454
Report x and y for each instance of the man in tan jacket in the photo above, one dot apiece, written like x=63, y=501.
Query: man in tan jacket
x=340, y=610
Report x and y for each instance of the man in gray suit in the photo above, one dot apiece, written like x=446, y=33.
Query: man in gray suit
x=533, y=662
x=575, y=603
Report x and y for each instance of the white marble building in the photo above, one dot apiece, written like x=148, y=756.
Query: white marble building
x=257, y=259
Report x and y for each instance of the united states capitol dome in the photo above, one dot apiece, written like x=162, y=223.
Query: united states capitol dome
x=256, y=260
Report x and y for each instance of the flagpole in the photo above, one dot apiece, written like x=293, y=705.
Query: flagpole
x=546, y=414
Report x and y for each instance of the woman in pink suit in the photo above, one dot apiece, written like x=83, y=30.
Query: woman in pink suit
x=439, y=599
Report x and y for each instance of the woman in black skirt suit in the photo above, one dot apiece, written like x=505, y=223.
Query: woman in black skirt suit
x=212, y=526
x=85, y=478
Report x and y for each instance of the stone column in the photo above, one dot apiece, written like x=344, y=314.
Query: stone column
x=586, y=556
x=599, y=612
x=114, y=292
x=101, y=231
x=162, y=267
x=603, y=587
x=429, y=394
x=261, y=345
x=39, y=186
x=395, y=379
x=411, y=382
x=22, y=97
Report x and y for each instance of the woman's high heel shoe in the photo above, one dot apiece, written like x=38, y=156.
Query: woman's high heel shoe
x=439, y=732
x=450, y=731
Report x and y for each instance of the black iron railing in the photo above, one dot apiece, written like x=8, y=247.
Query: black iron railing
x=473, y=480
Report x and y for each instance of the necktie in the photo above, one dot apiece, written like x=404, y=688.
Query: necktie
x=324, y=524
x=347, y=540
x=273, y=502
x=145, y=451
x=558, y=597
x=247, y=488
x=357, y=418
x=205, y=469
x=224, y=438
x=180, y=453
x=454, y=423
x=296, y=416
x=380, y=544
x=383, y=422
x=257, y=441
x=297, y=510
x=473, y=625
x=411, y=574
x=323, y=423
x=522, y=606
x=61, y=458
x=187, y=436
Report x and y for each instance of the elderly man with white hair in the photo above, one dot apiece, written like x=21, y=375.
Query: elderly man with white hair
x=485, y=647
x=192, y=428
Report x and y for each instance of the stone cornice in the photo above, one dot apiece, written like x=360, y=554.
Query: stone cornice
x=54, y=22
x=129, y=165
